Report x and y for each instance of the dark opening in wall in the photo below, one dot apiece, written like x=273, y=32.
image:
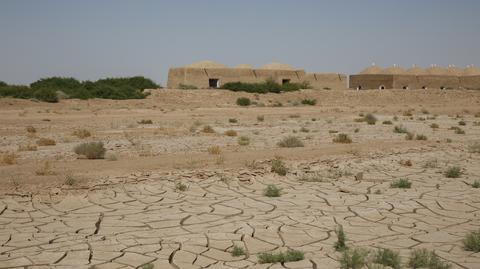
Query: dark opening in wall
x=442, y=88
x=285, y=81
x=424, y=87
x=213, y=83
x=382, y=87
x=405, y=87
x=359, y=87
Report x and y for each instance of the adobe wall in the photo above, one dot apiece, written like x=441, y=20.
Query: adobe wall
x=405, y=82
x=438, y=81
x=326, y=81
x=371, y=81
x=470, y=82
x=187, y=76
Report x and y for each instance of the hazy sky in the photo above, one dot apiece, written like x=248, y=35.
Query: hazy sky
x=89, y=39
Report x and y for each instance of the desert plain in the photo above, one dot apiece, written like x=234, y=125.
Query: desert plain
x=184, y=176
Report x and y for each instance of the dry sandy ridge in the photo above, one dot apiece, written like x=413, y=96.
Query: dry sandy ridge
x=129, y=212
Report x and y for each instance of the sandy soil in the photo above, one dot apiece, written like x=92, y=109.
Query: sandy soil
x=128, y=212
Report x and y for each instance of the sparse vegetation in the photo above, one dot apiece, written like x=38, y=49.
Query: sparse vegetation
x=8, y=158
x=208, y=129
x=232, y=120
x=237, y=251
x=243, y=101
x=27, y=147
x=421, y=137
x=264, y=87
x=400, y=129
x=353, y=259
x=472, y=241
x=31, y=129
x=148, y=266
x=243, y=140
x=260, y=118
x=453, y=172
x=145, y=122
x=422, y=258
x=434, y=126
x=387, y=257
x=401, y=183
x=272, y=191
x=342, y=138
x=288, y=256
x=70, y=180
x=340, y=245
x=387, y=122
x=370, y=119
x=91, y=150
x=231, y=133
x=476, y=184
x=310, y=102
x=462, y=123
x=214, y=150
x=290, y=142
x=179, y=186
x=46, y=142
x=278, y=167
x=409, y=136
x=82, y=133
x=182, y=86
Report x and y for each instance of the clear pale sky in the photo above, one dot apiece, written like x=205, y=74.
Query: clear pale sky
x=90, y=39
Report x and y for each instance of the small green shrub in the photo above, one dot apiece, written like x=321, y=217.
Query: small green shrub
x=179, y=186
x=401, y=183
x=243, y=101
x=370, y=119
x=434, y=126
x=387, y=122
x=340, y=245
x=310, y=102
x=182, y=86
x=342, y=138
x=260, y=118
x=278, y=167
x=243, y=140
x=387, y=257
x=148, y=266
x=232, y=120
x=462, y=123
x=453, y=172
x=289, y=256
x=272, y=191
x=353, y=259
x=237, y=251
x=91, y=150
x=400, y=129
x=421, y=137
x=422, y=258
x=145, y=122
x=472, y=241
x=476, y=184
x=290, y=142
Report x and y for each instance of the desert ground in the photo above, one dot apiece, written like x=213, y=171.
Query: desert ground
x=180, y=193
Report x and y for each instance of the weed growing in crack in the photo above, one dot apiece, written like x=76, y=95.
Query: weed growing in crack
x=237, y=251
x=355, y=259
x=272, y=191
x=278, y=167
x=472, y=241
x=282, y=257
x=422, y=258
x=388, y=257
x=341, y=245
x=402, y=183
x=453, y=172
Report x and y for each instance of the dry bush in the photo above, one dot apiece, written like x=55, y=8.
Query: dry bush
x=214, y=150
x=8, y=158
x=243, y=140
x=46, y=142
x=208, y=129
x=91, y=150
x=27, y=147
x=342, y=138
x=82, y=133
x=231, y=133
x=145, y=122
x=290, y=142
x=31, y=129
x=45, y=170
x=278, y=166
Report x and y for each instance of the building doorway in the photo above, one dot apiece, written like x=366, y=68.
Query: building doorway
x=214, y=83
x=285, y=81
x=405, y=87
x=381, y=87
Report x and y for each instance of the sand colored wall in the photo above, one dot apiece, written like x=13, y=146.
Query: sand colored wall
x=199, y=77
x=405, y=81
x=371, y=81
x=438, y=81
x=470, y=82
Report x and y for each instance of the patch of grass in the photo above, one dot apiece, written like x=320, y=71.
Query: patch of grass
x=179, y=186
x=434, y=126
x=145, y=122
x=243, y=140
x=312, y=177
x=457, y=130
x=232, y=120
x=265, y=87
x=462, y=123
x=237, y=251
x=208, y=129
x=341, y=245
x=260, y=118
x=356, y=130
x=310, y=102
x=387, y=257
x=70, y=180
x=278, y=167
x=409, y=136
x=422, y=258
x=421, y=137
x=353, y=259
x=476, y=184
x=82, y=133
x=214, y=150
x=401, y=183
x=8, y=158
x=282, y=257
x=272, y=191
x=290, y=142
x=472, y=241
x=46, y=142
x=342, y=138
x=243, y=101
x=370, y=119
x=407, y=113
x=148, y=266
x=387, y=122
x=31, y=129
x=231, y=133
x=91, y=150
x=304, y=130
x=453, y=172
x=399, y=129
x=182, y=86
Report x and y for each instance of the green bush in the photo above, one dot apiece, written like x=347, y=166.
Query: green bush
x=290, y=142
x=264, y=87
x=310, y=102
x=243, y=101
x=272, y=191
x=422, y=258
x=289, y=256
x=401, y=183
x=237, y=251
x=340, y=245
x=453, y=172
x=354, y=259
x=472, y=241
x=91, y=150
x=279, y=167
x=387, y=257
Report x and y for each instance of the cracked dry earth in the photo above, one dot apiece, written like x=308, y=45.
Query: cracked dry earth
x=142, y=218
